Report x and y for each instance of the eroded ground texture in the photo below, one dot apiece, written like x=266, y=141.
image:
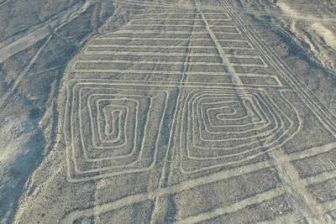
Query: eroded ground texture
x=175, y=111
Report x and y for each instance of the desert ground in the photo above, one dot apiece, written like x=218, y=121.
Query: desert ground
x=168, y=111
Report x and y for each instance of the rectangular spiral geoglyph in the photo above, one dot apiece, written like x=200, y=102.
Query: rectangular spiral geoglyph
x=224, y=127
x=112, y=129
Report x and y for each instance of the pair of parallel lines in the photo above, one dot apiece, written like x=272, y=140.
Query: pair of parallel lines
x=190, y=184
x=300, y=157
x=165, y=175
x=312, y=205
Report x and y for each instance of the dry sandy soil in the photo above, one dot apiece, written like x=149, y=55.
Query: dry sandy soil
x=175, y=111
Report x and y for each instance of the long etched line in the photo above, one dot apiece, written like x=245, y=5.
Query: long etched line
x=312, y=151
x=186, y=185
x=148, y=46
x=148, y=38
x=166, y=164
x=160, y=62
x=289, y=175
x=134, y=32
x=155, y=53
x=328, y=175
x=174, y=25
x=236, y=80
x=259, y=198
x=165, y=72
x=175, y=84
x=160, y=15
x=177, y=19
x=42, y=31
x=146, y=62
x=153, y=5
x=144, y=2
x=165, y=39
x=141, y=46
x=21, y=75
x=322, y=113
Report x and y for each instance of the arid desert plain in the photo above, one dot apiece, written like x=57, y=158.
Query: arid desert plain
x=168, y=111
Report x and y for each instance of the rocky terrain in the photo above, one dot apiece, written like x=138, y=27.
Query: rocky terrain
x=175, y=111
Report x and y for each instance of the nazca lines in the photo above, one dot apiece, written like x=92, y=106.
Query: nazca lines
x=326, y=118
x=218, y=125
x=142, y=42
x=118, y=126
x=124, y=149
x=224, y=128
